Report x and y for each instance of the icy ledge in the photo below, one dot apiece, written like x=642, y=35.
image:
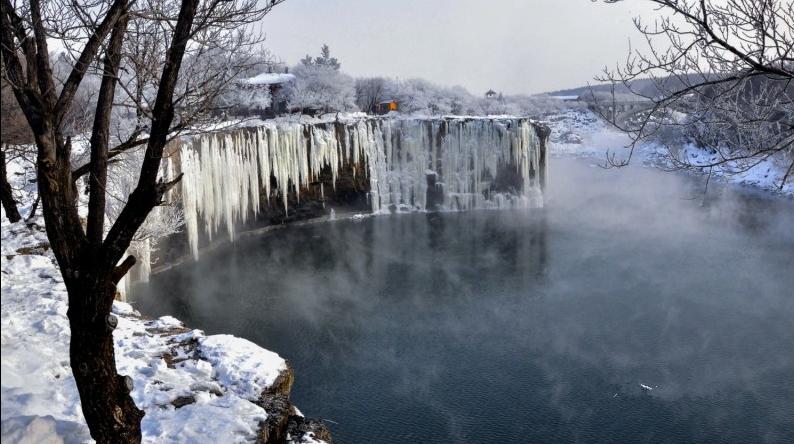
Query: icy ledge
x=193, y=387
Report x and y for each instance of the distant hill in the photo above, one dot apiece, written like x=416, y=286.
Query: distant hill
x=645, y=87
x=586, y=89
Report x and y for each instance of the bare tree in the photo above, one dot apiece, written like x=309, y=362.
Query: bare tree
x=369, y=91
x=722, y=74
x=160, y=88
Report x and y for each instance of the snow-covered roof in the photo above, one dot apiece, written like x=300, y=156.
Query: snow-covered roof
x=270, y=78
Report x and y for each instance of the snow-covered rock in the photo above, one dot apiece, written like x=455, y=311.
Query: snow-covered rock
x=241, y=365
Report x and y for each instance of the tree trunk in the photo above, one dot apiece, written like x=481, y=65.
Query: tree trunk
x=90, y=278
x=108, y=408
x=32, y=213
x=6, y=194
x=87, y=263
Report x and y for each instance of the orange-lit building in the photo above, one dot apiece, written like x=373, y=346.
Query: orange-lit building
x=385, y=107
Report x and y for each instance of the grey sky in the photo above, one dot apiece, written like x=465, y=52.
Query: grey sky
x=514, y=46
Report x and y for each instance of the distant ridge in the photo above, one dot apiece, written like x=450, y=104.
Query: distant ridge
x=645, y=87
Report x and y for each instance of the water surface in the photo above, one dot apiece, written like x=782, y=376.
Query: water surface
x=630, y=309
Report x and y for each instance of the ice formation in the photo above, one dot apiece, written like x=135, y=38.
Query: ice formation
x=142, y=250
x=225, y=173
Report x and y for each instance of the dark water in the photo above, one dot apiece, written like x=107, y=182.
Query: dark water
x=515, y=327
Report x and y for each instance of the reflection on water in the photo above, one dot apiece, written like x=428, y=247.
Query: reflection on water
x=524, y=327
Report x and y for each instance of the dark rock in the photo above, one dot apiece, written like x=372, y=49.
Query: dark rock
x=283, y=383
x=299, y=426
x=182, y=401
x=39, y=249
x=168, y=331
x=275, y=401
x=169, y=360
x=274, y=429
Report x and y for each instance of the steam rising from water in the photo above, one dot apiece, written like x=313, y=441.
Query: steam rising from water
x=525, y=327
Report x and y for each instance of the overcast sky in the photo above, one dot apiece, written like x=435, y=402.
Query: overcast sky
x=513, y=46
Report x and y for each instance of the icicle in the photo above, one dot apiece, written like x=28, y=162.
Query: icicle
x=224, y=174
x=191, y=169
x=140, y=272
x=144, y=264
x=123, y=287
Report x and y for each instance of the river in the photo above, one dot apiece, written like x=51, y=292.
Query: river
x=630, y=309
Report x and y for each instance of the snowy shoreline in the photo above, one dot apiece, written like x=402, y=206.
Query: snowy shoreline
x=583, y=134
x=193, y=387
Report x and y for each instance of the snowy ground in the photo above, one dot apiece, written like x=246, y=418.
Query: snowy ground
x=194, y=388
x=581, y=133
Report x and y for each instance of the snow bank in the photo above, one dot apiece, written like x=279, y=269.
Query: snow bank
x=766, y=174
x=241, y=365
x=40, y=430
x=34, y=341
x=193, y=388
x=581, y=133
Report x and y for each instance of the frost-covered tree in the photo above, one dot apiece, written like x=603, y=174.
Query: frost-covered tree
x=247, y=97
x=419, y=96
x=321, y=87
x=723, y=77
x=244, y=95
x=324, y=59
x=369, y=92
x=413, y=95
x=537, y=106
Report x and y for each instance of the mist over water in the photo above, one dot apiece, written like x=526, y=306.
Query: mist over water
x=534, y=326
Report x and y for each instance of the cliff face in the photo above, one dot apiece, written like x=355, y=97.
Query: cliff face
x=281, y=172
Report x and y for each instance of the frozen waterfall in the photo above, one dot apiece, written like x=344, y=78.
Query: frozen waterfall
x=229, y=175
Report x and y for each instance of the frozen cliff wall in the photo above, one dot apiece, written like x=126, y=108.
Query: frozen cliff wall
x=407, y=164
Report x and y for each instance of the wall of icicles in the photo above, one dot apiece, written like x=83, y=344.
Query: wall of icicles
x=229, y=175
